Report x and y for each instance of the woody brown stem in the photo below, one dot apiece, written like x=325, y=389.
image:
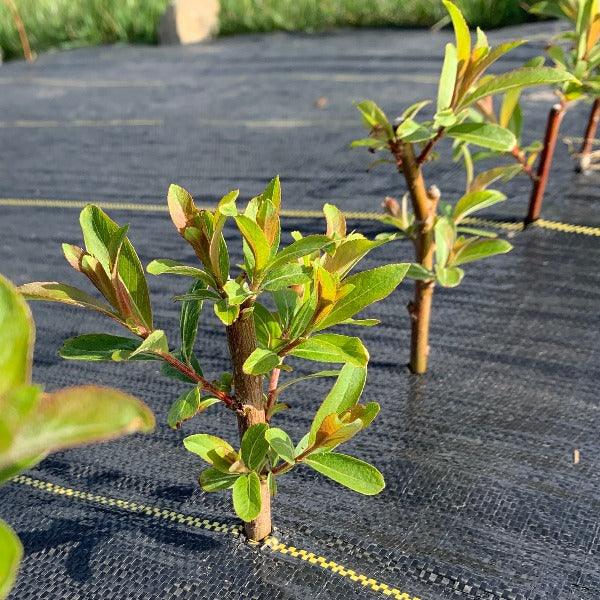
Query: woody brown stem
x=590, y=134
x=425, y=207
x=241, y=338
x=539, y=186
x=20, y=29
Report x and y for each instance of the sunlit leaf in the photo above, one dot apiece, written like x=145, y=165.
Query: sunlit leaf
x=348, y=471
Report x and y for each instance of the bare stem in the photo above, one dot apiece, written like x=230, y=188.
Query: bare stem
x=241, y=339
x=425, y=208
x=539, y=187
x=272, y=393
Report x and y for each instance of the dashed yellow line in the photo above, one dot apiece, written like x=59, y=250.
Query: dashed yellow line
x=271, y=543
x=514, y=226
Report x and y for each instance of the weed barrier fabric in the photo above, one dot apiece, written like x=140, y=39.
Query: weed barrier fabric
x=483, y=499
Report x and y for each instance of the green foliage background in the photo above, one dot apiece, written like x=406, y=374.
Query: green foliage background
x=68, y=23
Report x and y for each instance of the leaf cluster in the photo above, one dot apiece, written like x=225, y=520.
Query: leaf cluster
x=575, y=52
x=464, y=107
x=267, y=452
x=294, y=294
x=456, y=244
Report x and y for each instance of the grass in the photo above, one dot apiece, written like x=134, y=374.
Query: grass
x=67, y=23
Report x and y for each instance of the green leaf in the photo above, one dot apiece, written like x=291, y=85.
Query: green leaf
x=488, y=177
x=519, y=78
x=254, y=446
x=510, y=102
x=444, y=240
x=53, y=291
x=449, y=277
x=286, y=302
x=199, y=295
x=447, y=78
x=268, y=330
x=188, y=321
x=246, y=496
x=256, y=239
x=344, y=394
x=18, y=333
x=212, y=449
x=261, y=361
x=155, y=343
x=474, y=201
x=236, y=292
x=374, y=117
x=478, y=250
x=188, y=405
x=361, y=322
x=317, y=375
x=300, y=248
x=165, y=266
x=303, y=317
x=486, y=135
x=102, y=346
x=336, y=222
x=348, y=253
x=369, y=287
x=226, y=205
x=286, y=276
x=226, y=313
x=213, y=480
x=333, y=348
x=368, y=143
x=75, y=416
x=99, y=233
x=420, y=273
x=11, y=553
x=348, y=471
x=413, y=132
x=463, y=36
x=281, y=443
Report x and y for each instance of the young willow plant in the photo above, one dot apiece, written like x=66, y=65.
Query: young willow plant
x=278, y=306
x=34, y=423
x=442, y=241
x=577, y=53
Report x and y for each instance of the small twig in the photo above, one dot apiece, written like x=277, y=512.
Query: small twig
x=519, y=156
x=206, y=385
x=20, y=30
x=272, y=394
x=286, y=466
x=429, y=147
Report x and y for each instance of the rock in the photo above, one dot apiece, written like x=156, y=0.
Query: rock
x=189, y=21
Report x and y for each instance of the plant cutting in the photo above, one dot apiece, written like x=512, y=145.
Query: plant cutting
x=577, y=53
x=442, y=239
x=276, y=307
x=34, y=423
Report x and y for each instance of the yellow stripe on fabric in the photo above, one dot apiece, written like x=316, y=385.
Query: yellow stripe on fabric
x=272, y=543
x=514, y=226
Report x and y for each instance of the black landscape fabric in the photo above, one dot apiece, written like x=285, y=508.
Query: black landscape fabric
x=483, y=499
